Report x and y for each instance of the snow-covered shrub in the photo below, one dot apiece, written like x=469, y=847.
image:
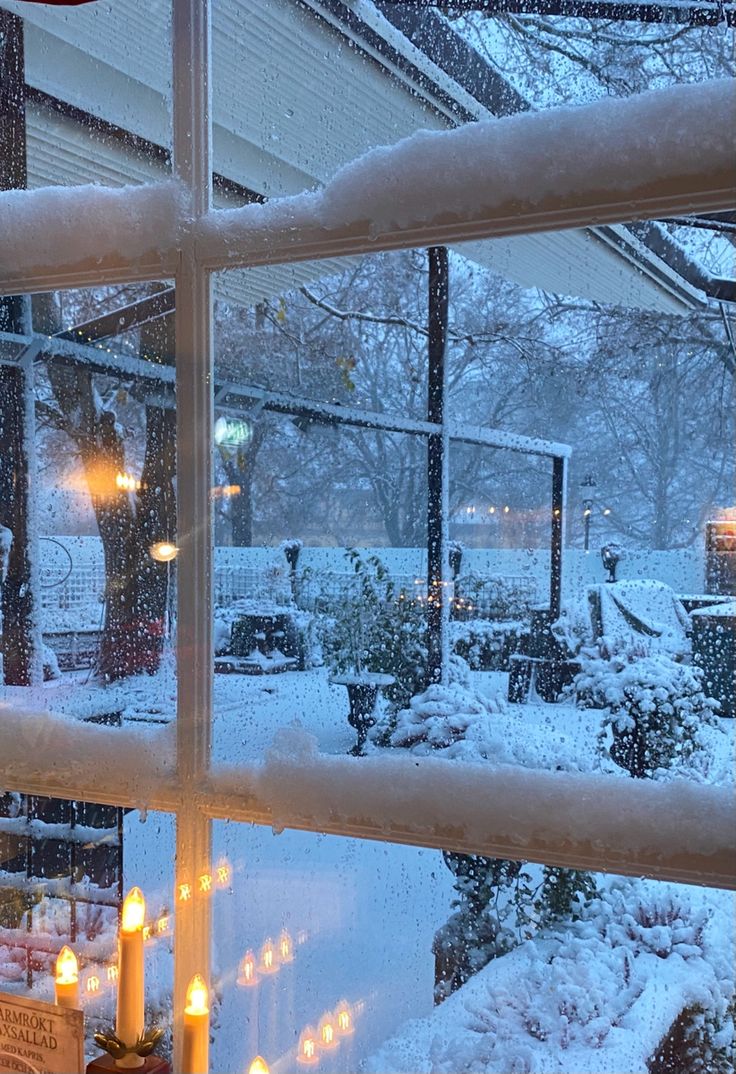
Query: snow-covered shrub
x=485, y=643
x=451, y=719
x=657, y=708
x=380, y=629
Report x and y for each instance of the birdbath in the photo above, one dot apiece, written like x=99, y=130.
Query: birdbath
x=363, y=689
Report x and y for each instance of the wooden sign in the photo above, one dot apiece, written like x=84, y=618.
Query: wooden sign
x=39, y=1038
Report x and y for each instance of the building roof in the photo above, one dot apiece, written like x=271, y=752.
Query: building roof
x=299, y=89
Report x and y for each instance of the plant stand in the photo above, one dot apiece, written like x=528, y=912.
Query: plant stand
x=363, y=691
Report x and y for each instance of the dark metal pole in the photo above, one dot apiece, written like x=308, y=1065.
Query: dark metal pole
x=19, y=657
x=558, y=509
x=436, y=461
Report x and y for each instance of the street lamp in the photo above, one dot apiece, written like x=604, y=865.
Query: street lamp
x=588, y=482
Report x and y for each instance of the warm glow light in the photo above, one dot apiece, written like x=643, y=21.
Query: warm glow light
x=327, y=1031
x=185, y=892
x=223, y=874
x=205, y=882
x=606, y=510
x=197, y=996
x=134, y=911
x=247, y=975
x=491, y=510
x=308, y=1046
x=163, y=551
x=93, y=984
x=506, y=509
x=343, y=1019
x=127, y=483
x=147, y=933
x=286, y=953
x=259, y=1066
x=162, y=924
x=67, y=967
x=268, y=961
x=112, y=973
x=586, y=512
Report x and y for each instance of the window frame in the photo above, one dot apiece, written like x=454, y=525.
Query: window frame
x=191, y=792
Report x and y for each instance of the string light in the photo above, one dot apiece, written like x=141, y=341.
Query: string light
x=247, y=975
x=307, y=1051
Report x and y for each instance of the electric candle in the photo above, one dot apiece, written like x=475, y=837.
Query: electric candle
x=129, y=1023
x=195, y=1053
x=66, y=984
x=259, y=1066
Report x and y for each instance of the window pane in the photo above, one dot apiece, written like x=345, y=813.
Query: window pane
x=88, y=504
x=340, y=955
x=319, y=91
x=97, y=91
x=65, y=868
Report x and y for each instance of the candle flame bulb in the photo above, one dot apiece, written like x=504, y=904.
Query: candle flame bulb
x=66, y=984
x=285, y=947
x=259, y=1066
x=197, y=996
x=163, y=551
x=248, y=975
x=134, y=911
x=268, y=961
x=67, y=967
x=308, y=1047
x=327, y=1038
x=195, y=1046
x=343, y=1019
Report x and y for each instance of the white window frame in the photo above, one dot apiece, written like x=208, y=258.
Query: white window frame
x=473, y=819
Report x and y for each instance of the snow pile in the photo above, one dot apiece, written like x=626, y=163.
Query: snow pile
x=452, y=720
x=86, y=223
x=593, y=154
x=110, y=762
x=598, y=995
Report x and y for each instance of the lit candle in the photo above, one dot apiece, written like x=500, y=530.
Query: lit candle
x=129, y=1023
x=258, y=1066
x=66, y=984
x=195, y=1053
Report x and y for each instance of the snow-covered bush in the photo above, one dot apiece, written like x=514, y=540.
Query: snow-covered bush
x=486, y=643
x=378, y=628
x=657, y=709
x=451, y=719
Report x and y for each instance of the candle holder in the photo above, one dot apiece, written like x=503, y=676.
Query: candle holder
x=116, y=1050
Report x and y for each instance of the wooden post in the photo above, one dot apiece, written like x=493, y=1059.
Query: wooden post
x=20, y=645
x=437, y=462
x=559, y=476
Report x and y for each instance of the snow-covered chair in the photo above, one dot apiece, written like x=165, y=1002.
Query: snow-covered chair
x=640, y=610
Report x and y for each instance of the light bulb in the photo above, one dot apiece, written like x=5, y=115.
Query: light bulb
x=247, y=974
x=67, y=967
x=285, y=947
x=307, y=1052
x=163, y=551
x=327, y=1036
x=343, y=1018
x=259, y=1066
x=134, y=911
x=197, y=996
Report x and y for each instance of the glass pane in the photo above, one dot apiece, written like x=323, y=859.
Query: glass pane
x=352, y=333
x=338, y=955
x=88, y=509
x=321, y=90
x=65, y=868
x=97, y=91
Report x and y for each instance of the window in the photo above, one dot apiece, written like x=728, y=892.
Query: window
x=252, y=367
